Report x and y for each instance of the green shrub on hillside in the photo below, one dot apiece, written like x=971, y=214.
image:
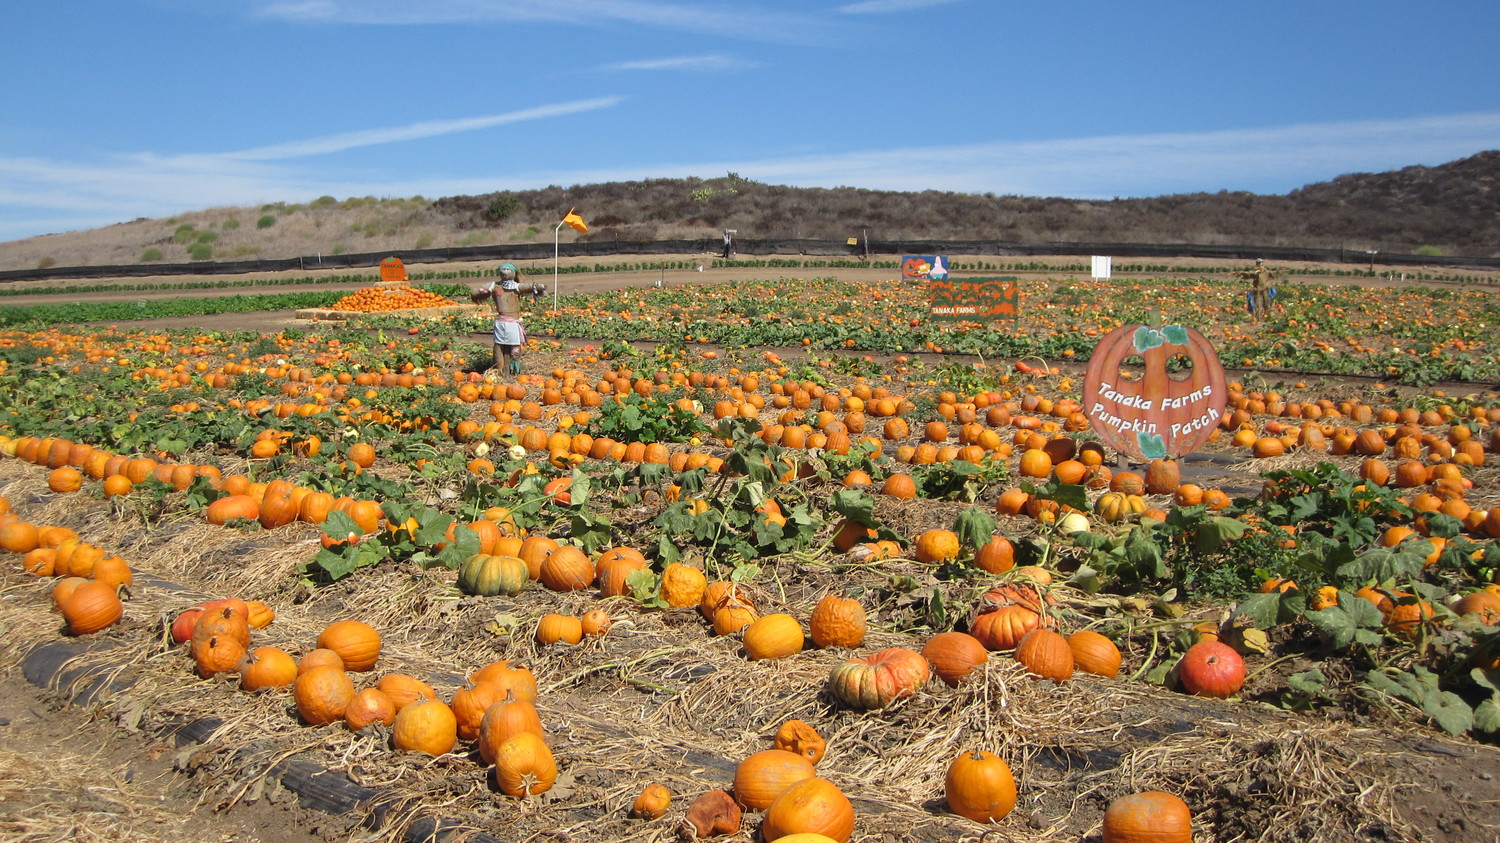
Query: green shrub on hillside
x=502, y=206
x=151, y=255
x=266, y=221
x=201, y=252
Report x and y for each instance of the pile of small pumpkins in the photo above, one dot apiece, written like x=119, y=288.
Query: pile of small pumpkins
x=90, y=579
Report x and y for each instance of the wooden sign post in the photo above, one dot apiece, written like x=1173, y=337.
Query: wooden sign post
x=1158, y=416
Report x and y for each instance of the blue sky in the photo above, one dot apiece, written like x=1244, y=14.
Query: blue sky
x=117, y=109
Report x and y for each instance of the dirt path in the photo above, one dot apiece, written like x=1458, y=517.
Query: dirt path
x=73, y=774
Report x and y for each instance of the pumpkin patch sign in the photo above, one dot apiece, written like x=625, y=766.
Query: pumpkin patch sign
x=1154, y=416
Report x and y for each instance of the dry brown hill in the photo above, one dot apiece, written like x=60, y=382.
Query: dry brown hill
x=1452, y=209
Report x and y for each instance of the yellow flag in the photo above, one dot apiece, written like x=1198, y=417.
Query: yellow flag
x=576, y=222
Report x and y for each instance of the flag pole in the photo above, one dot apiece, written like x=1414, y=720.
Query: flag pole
x=554, y=263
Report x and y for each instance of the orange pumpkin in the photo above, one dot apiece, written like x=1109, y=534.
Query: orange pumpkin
x=427, y=725
x=838, y=622
x=814, y=805
x=980, y=786
x=773, y=636
x=953, y=655
x=798, y=737
x=762, y=777
x=356, y=642
x=267, y=667
x=370, y=705
x=1150, y=816
x=93, y=606
x=1046, y=655
x=879, y=679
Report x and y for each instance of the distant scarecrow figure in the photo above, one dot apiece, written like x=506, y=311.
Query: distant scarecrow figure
x=1261, y=278
x=510, y=334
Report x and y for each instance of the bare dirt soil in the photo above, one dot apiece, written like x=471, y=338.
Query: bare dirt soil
x=72, y=773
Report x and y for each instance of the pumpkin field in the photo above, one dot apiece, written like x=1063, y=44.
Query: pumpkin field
x=774, y=557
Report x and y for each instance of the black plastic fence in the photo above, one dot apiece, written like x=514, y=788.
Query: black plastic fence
x=823, y=248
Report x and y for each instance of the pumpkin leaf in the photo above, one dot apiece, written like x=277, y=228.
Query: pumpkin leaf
x=666, y=551
x=592, y=531
x=974, y=527
x=855, y=506
x=578, y=489
x=1486, y=678
x=465, y=544
x=1384, y=564
x=1308, y=681
x=1487, y=716
x=1152, y=446
x=1443, y=525
x=339, y=525
x=1254, y=640
x=1395, y=686
x=1364, y=613
x=504, y=624
x=1261, y=610
x=1449, y=711
x=1085, y=579
x=1175, y=334
x=1146, y=339
x=1335, y=623
x=645, y=585
x=1158, y=675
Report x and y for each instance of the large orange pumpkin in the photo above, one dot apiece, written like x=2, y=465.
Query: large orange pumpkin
x=814, y=805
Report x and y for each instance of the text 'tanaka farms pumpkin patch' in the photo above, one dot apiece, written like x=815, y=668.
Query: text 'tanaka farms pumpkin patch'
x=1158, y=416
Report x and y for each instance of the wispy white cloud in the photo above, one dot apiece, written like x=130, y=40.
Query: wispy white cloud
x=715, y=62
x=734, y=20
x=886, y=7
x=39, y=195
x=415, y=131
x=126, y=186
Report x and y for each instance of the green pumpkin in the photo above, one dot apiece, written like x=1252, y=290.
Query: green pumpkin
x=489, y=576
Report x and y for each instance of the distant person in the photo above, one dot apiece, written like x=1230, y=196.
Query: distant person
x=510, y=334
x=537, y=289
x=728, y=246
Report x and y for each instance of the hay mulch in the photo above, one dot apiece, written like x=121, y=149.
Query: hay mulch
x=661, y=699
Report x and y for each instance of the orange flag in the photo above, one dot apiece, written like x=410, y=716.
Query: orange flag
x=576, y=222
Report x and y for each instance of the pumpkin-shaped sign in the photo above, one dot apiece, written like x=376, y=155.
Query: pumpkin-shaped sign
x=392, y=270
x=1157, y=417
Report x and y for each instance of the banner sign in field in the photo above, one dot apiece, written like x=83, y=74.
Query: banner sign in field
x=923, y=267
x=974, y=299
x=1154, y=415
